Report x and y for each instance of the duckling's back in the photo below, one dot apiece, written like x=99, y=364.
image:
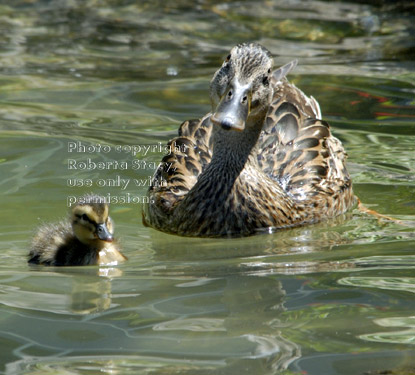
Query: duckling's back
x=55, y=245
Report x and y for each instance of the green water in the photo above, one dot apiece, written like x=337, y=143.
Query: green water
x=334, y=298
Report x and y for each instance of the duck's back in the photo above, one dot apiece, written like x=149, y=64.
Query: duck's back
x=180, y=169
x=298, y=151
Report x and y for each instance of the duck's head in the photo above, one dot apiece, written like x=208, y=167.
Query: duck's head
x=240, y=90
x=91, y=222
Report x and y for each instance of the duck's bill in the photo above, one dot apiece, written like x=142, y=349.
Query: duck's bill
x=103, y=233
x=233, y=109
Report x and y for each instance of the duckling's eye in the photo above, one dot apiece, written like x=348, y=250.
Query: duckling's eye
x=85, y=217
x=228, y=58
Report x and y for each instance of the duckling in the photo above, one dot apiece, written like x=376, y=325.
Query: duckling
x=261, y=160
x=86, y=239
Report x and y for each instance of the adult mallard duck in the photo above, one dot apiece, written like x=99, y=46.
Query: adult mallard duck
x=87, y=238
x=261, y=160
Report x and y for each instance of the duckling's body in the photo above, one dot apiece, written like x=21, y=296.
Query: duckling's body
x=263, y=159
x=87, y=239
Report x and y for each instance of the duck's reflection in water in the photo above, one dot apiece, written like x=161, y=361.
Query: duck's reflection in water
x=93, y=294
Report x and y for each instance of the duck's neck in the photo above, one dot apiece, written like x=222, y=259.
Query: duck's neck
x=210, y=207
x=233, y=150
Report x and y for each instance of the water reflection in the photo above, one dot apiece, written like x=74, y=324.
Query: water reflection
x=82, y=292
x=400, y=336
x=210, y=323
x=406, y=284
x=93, y=295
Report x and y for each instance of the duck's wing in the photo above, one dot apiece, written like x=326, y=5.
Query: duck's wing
x=297, y=149
x=180, y=169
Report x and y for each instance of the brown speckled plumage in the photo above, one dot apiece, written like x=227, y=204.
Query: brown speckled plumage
x=270, y=163
x=85, y=239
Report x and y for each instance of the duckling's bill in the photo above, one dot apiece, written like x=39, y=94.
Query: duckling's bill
x=103, y=233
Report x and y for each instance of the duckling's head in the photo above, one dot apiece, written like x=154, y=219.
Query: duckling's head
x=240, y=90
x=91, y=222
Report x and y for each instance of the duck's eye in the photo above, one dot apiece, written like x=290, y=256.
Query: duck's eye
x=228, y=58
x=85, y=217
x=269, y=70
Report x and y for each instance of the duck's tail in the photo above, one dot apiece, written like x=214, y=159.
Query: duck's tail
x=368, y=211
